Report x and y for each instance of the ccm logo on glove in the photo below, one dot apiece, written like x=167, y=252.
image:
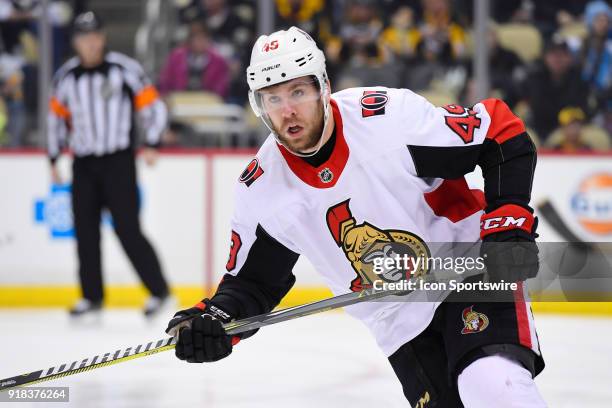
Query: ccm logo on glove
x=506, y=217
x=503, y=222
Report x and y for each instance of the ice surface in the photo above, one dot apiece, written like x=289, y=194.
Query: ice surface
x=328, y=360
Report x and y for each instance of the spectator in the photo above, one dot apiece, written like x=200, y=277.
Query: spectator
x=554, y=84
x=195, y=66
x=18, y=34
x=11, y=91
x=596, y=53
x=402, y=36
x=547, y=16
x=358, y=36
x=232, y=36
x=571, y=121
x=507, y=69
x=336, y=10
x=440, y=50
x=550, y=16
x=305, y=14
x=360, y=59
x=229, y=31
x=18, y=17
x=506, y=72
x=441, y=33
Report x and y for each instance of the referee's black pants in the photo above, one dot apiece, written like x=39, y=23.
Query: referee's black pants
x=110, y=181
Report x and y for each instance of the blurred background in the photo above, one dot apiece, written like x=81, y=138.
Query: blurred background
x=551, y=61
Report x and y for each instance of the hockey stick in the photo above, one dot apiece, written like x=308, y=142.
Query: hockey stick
x=578, y=253
x=548, y=211
x=235, y=327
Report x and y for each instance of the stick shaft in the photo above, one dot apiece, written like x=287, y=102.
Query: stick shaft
x=87, y=364
x=235, y=327
x=255, y=322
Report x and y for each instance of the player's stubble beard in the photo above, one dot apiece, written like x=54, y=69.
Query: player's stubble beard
x=310, y=140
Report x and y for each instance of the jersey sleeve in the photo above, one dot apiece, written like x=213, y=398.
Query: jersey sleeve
x=150, y=108
x=259, y=268
x=450, y=141
x=59, y=118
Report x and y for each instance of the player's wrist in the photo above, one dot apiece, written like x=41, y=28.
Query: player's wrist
x=204, y=307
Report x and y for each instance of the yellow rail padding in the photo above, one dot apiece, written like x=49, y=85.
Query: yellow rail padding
x=573, y=308
x=66, y=296
x=134, y=296
x=116, y=296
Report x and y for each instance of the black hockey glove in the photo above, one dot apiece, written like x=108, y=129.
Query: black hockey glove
x=508, y=244
x=201, y=337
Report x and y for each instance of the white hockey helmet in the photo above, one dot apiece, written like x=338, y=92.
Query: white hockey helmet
x=281, y=57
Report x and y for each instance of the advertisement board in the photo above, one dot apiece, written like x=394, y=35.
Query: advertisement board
x=186, y=207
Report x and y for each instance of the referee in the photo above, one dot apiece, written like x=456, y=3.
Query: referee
x=95, y=98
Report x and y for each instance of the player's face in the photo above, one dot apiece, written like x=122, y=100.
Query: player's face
x=90, y=46
x=296, y=112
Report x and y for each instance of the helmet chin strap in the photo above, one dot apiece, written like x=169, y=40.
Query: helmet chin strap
x=326, y=122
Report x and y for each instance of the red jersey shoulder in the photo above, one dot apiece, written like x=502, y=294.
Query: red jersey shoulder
x=373, y=102
x=505, y=125
x=251, y=173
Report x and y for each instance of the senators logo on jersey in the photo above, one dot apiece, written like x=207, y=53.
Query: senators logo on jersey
x=373, y=103
x=473, y=322
x=364, y=245
x=252, y=172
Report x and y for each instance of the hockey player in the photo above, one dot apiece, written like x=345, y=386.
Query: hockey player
x=348, y=174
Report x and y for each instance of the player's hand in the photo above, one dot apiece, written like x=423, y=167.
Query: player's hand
x=510, y=257
x=56, y=178
x=205, y=340
x=201, y=337
x=150, y=155
x=182, y=319
x=509, y=250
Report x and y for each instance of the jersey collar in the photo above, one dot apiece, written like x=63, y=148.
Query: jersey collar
x=327, y=174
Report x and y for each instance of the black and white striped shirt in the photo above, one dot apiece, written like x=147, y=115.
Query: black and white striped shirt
x=96, y=107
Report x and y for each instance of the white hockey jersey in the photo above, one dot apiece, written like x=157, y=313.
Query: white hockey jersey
x=395, y=176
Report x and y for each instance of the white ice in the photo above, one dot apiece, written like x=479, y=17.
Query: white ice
x=328, y=360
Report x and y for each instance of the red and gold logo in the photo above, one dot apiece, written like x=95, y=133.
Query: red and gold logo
x=365, y=246
x=473, y=322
